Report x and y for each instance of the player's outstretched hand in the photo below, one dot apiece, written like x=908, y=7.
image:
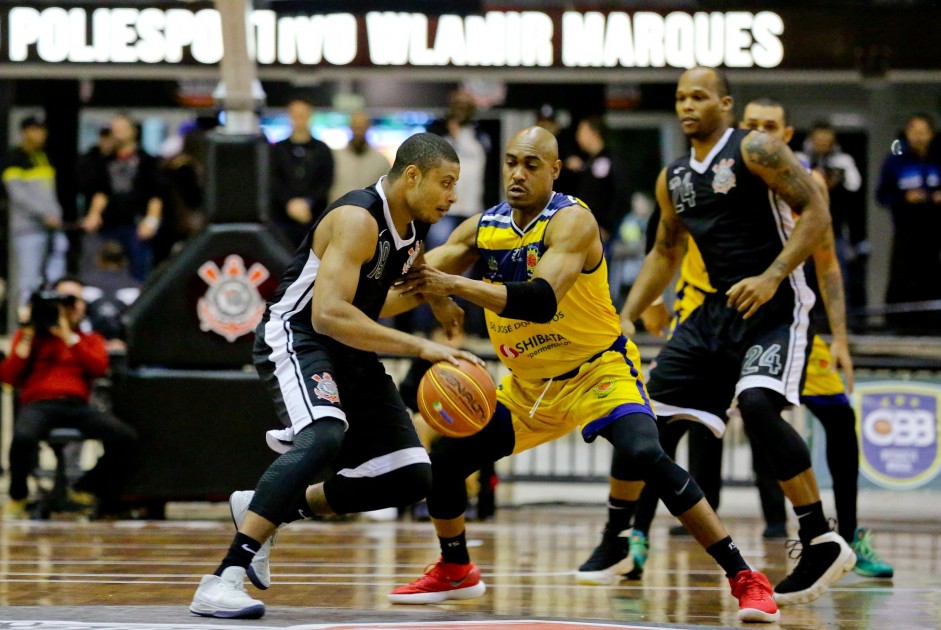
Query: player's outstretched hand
x=434, y=352
x=428, y=281
x=746, y=296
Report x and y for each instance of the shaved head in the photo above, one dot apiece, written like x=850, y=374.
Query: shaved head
x=530, y=167
x=537, y=139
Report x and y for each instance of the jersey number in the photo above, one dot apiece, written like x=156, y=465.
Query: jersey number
x=682, y=192
x=769, y=359
x=384, y=248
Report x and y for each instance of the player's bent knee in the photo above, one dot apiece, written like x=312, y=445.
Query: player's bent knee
x=415, y=484
x=777, y=440
x=314, y=448
x=399, y=487
x=455, y=458
x=638, y=451
x=636, y=442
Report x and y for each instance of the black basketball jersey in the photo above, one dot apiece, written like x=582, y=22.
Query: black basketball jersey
x=739, y=225
x=392, y=259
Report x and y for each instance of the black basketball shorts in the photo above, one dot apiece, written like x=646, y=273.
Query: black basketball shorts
x=309, y=380
x=716, y=354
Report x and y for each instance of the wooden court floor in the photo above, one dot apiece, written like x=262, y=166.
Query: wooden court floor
x=136, y=574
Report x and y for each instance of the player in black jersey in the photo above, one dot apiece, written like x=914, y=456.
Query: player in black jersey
x=316, y=349
x=749, y=339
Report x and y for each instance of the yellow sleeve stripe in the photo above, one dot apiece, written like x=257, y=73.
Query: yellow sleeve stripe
x=42, y=172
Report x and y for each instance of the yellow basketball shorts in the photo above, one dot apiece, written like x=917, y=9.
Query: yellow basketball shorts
x=822, y=379
x=602, y=391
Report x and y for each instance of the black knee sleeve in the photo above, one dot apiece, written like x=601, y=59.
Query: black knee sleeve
x=403, y=486
x=638, y=451
x=775, y=439
x=451, y=463
x=454, y=459
x=279, y=487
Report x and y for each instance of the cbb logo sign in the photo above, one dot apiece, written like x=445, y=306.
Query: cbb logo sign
x=898, y=430
x=232, y=306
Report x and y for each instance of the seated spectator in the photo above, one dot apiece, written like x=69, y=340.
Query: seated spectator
x=109, y=290
x=52, y=365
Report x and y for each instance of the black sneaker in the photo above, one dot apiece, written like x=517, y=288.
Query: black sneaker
x=608, y=561
x=775, y=530
x=679, y=530
x=824, y=561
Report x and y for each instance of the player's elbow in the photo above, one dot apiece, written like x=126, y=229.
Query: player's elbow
x=324, y=320
x=533, y=301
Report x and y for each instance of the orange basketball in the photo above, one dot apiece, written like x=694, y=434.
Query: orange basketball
x=457, y=401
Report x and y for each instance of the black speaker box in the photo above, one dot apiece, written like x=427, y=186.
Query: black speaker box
x=200, y=309
x=201, y=433
x=237, y=188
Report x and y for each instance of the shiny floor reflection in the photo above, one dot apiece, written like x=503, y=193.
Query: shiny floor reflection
x=527, y=556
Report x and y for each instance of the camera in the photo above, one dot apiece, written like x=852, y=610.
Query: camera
x=44, y=309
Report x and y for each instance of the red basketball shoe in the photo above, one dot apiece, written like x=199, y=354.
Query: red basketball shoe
x=442, y=581
x=755, y=597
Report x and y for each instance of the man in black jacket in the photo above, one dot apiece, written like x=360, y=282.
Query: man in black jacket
x=301, y=175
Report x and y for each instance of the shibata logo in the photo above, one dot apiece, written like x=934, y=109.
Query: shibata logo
x=508, y=351
x=232, y=306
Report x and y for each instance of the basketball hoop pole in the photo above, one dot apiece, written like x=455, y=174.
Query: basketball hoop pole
x=239, y=90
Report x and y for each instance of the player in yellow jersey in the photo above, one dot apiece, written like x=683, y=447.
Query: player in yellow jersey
x=552, y=323
x=823, y=393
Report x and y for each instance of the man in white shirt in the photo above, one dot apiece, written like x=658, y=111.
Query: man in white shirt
x=356, y=165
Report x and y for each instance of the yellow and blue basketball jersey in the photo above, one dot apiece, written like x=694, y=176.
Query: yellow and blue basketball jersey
x=692, y=285
x=823, y=382
x=586, y=321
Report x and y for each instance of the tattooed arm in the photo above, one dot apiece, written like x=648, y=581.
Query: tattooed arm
x=772, y=161
x=830, y=281
x=661, y=263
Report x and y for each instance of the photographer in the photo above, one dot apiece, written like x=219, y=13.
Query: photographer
x=52, y=365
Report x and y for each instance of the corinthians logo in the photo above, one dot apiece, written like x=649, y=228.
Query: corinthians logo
x=232, y=306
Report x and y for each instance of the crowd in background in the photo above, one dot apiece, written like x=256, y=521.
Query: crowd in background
x=137, y=209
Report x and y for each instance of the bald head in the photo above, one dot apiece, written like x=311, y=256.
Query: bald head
x=538, y=140
x=530, y=167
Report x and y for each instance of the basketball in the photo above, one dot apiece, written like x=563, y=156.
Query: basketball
x=457, y=401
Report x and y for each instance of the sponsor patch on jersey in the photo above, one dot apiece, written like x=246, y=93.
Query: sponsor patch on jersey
x=532, y=259
x=232, y=305
x=508, y=351
x=724, y=179
x=326, y=387
x=605, y=387
x=413, y=252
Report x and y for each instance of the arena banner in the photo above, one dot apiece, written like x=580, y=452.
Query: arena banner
x=111, y=34
x=897, y=427
x=643, y=39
